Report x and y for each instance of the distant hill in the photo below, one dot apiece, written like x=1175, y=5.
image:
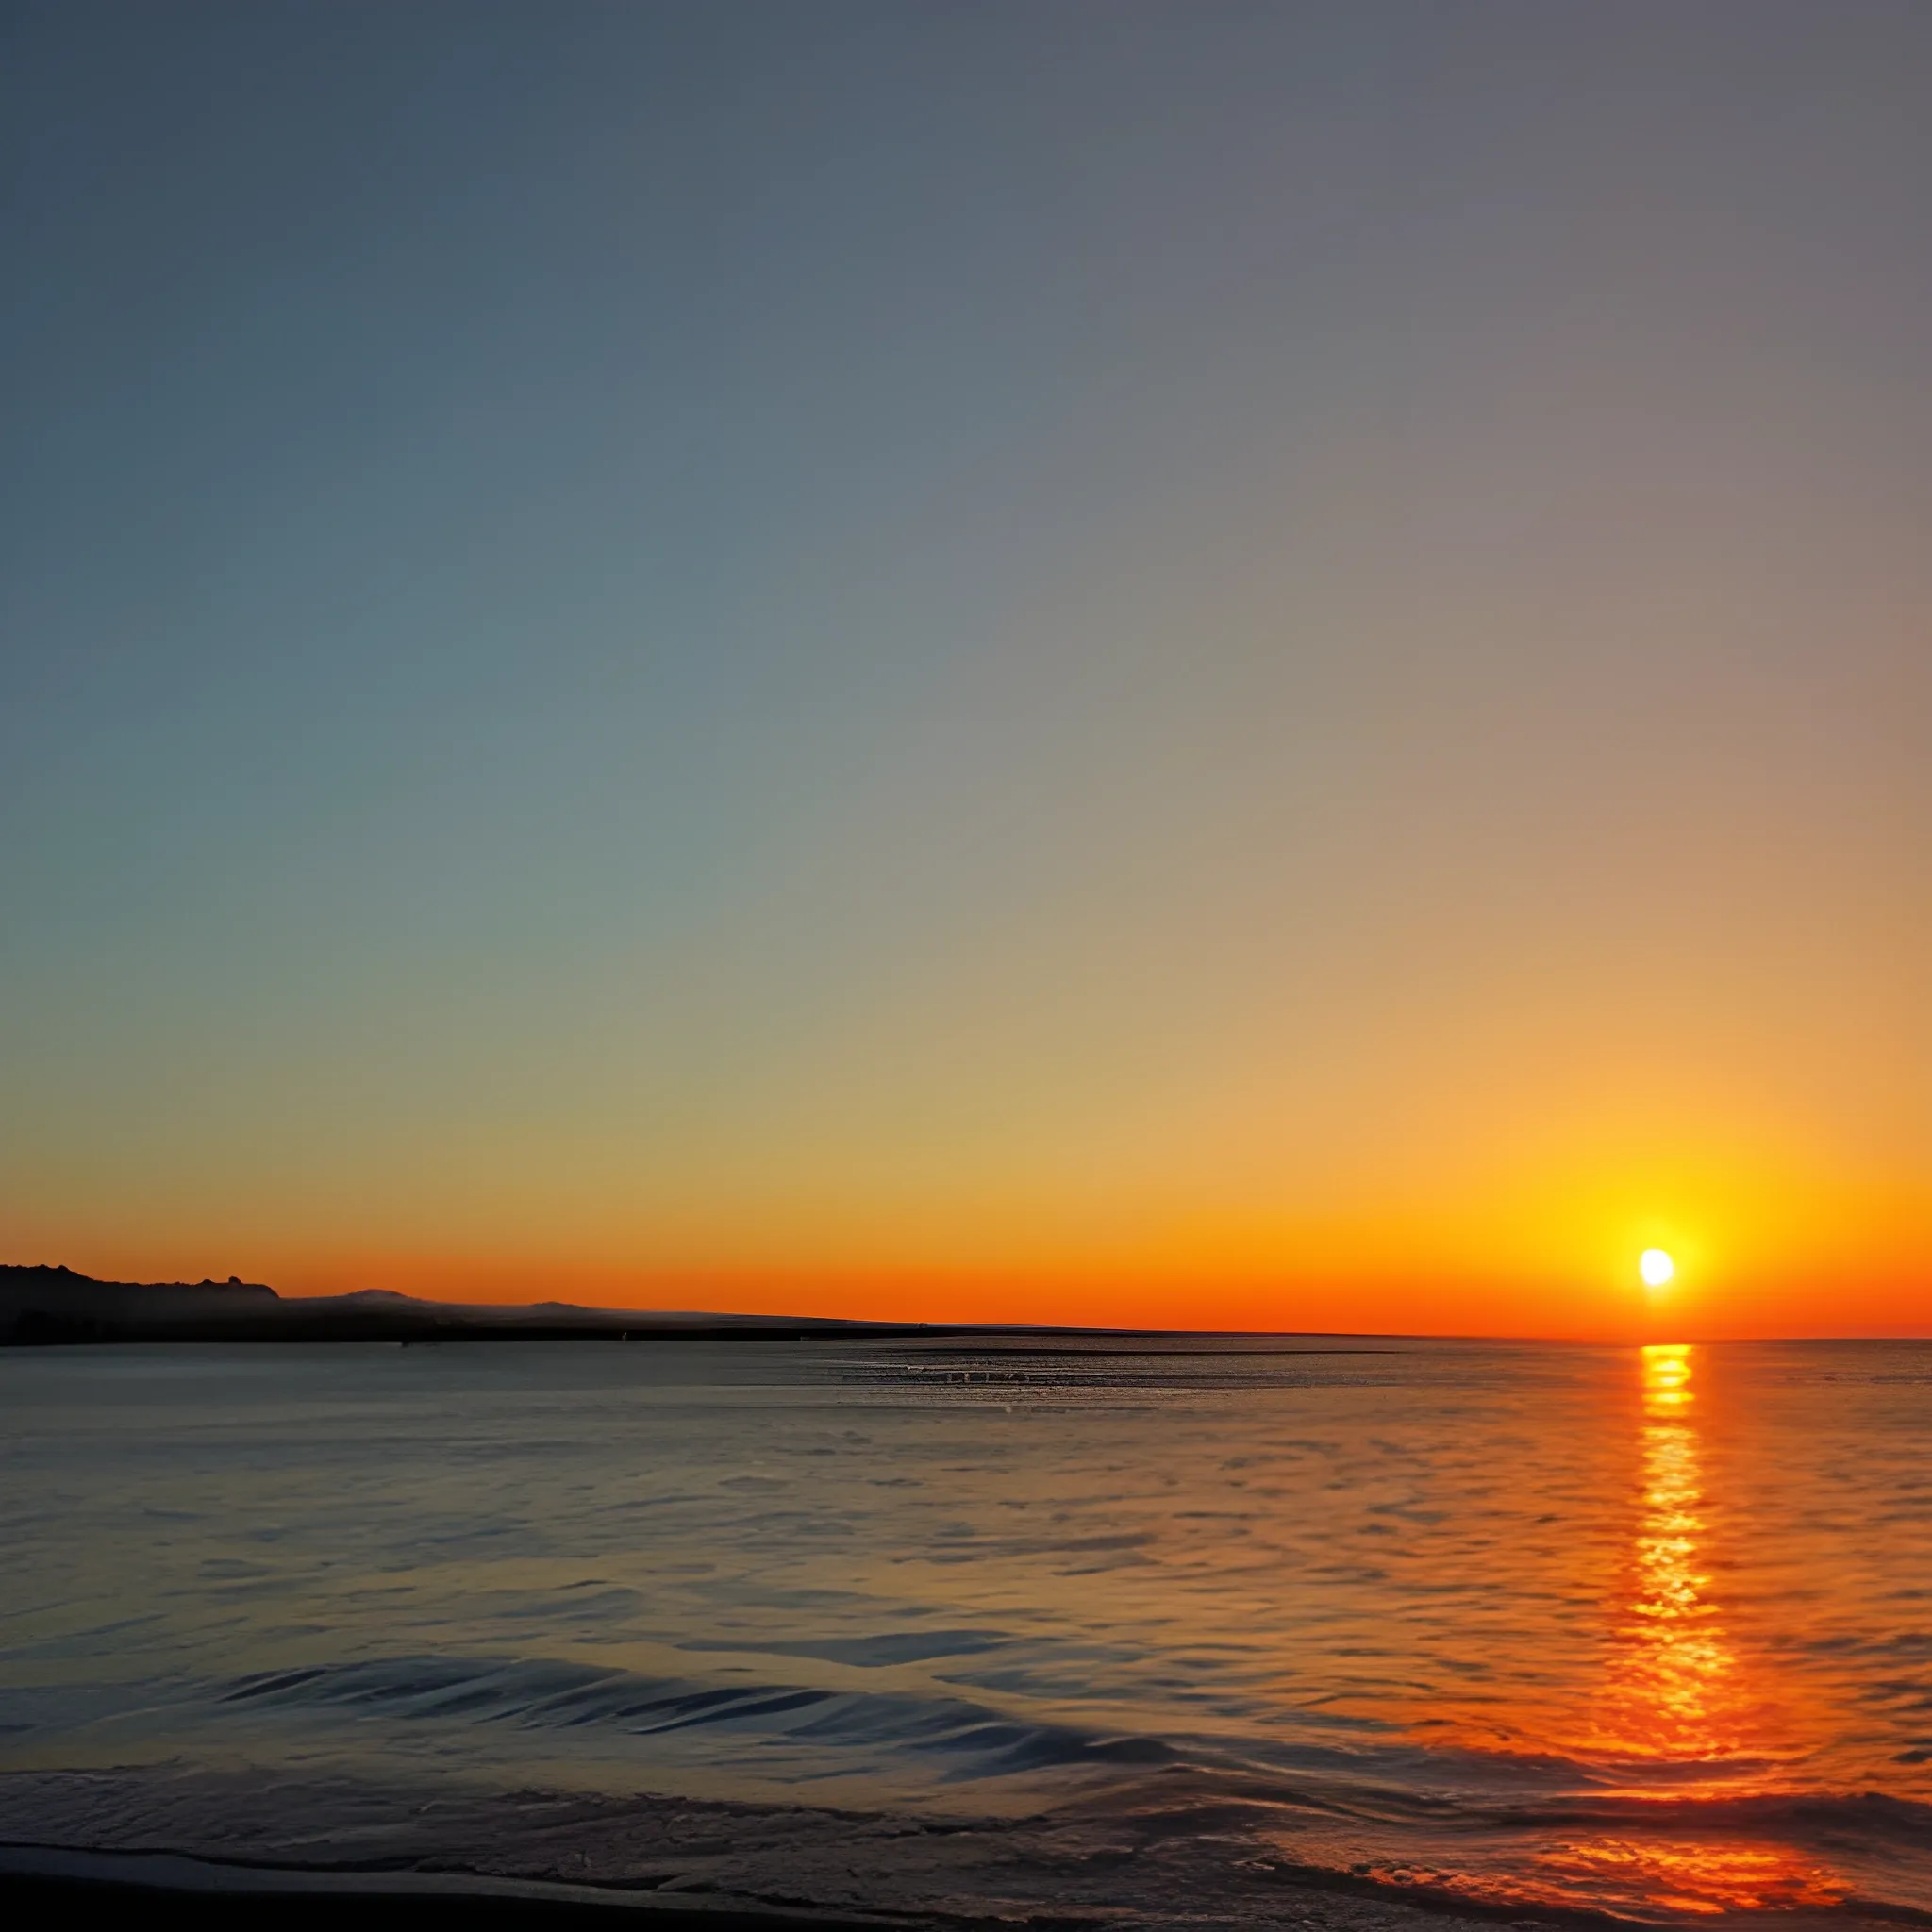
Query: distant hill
x=36, y=1302
x=53, y=1305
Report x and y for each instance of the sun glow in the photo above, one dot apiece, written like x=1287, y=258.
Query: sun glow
x=1655, y=1267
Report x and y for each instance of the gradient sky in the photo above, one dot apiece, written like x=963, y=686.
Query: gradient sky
x=1251, y=664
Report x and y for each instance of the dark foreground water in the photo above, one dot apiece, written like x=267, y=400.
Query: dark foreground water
x=1641, y=1631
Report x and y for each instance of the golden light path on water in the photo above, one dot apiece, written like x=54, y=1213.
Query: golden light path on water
x=1676, y=1693
x=1674, y=1719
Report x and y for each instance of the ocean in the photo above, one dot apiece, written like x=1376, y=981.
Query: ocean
x=1543, y=1629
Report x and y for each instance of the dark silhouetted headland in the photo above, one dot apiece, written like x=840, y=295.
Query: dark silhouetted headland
x=53, y=1305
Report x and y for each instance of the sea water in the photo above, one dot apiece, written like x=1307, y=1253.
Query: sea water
x=1647, y=1631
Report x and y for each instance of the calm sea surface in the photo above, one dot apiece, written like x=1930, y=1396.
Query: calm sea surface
x=1646, y=1630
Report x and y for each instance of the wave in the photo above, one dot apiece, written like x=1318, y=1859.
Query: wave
x=824, y=1732
x=1388, y=1781
x=1387, y=1816
x=540, y=1694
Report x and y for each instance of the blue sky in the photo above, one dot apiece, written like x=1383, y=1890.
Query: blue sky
x=1025, y=642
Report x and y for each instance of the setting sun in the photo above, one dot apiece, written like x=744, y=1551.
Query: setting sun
x=1655, y=1267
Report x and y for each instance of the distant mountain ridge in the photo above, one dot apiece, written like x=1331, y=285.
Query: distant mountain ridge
x=42, y=1302
x=48, y=1305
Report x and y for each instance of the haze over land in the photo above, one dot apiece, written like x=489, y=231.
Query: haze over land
x=1170, y=665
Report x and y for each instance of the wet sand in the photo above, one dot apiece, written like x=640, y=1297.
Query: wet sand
x=385, y=1855
x=330, y=1852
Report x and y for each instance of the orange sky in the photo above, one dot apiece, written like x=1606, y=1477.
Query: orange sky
x=1267, y=668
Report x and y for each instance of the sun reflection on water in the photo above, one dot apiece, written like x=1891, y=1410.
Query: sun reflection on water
x=1673, y=1691
x=1674, y=1718
x=1675, y=1694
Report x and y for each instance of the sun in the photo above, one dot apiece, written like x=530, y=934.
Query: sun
x=1655, y=1267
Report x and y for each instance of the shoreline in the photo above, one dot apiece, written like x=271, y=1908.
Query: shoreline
x=38, y=1881
x=223, y=1892
x=45, y=1878
x=313, y=1852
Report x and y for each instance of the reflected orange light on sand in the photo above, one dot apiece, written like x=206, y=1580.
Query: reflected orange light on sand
x=1628, y=1875
x=1644, y=1879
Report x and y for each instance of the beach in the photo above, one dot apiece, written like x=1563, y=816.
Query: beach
x=372, y=1857
x=538, y=1854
